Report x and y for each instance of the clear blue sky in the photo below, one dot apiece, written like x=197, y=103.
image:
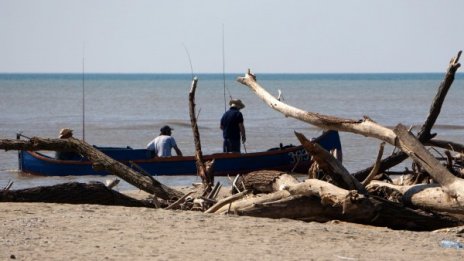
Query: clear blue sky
x=291, y=36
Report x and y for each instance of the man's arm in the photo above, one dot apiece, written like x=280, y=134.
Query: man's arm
x=179, y=153
x=242, y=132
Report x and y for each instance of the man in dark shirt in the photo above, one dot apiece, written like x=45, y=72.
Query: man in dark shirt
x=232, y=127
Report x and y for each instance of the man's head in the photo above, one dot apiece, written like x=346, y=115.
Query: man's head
x=166, y=130
x=65, y=133
x=236, y=103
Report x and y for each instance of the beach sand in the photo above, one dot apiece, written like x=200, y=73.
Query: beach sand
x=39, y=231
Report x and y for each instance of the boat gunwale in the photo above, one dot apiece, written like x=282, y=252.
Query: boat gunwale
x=220, y=155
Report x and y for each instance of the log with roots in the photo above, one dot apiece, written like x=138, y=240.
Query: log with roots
x=99, y=160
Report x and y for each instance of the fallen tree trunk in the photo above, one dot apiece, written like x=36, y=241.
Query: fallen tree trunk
x=99, y=160
x=430, y=197
x=315, y=200
x=73, y=193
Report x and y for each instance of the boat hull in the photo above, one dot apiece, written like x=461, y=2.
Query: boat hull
x=292, y=158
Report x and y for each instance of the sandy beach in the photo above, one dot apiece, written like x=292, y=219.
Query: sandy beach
x=39, y=231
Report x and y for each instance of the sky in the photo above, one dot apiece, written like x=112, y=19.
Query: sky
x=268, y=36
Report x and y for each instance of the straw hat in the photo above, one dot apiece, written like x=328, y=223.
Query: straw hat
x=65, y=132
x=237, y=104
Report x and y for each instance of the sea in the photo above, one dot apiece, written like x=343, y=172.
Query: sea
x=129, y=110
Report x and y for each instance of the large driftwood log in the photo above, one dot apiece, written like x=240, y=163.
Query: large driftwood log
x=73, y=193
x=430, y=197
x=451, y=184
x=99, y=160
x=365, y=127
x=315, y=200
x=205, y=171
x=424, y=134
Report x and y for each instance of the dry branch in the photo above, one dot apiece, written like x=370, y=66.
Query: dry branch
x=409, y=144
x=424, y=134
x=98, y=158
x=330, y=165
x=206, y=174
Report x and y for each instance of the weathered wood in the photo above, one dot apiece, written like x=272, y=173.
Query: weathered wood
x=264, y=181
x=315, y=200
x=73, y=193
x=365, y=127
x=424, y=134
x=413, y=148
x=99, y=160
x=376, y=167
x=207, y=175
x=430, y=197
x=331, y=166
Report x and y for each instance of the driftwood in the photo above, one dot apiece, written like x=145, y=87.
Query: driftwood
x=424, y=134
x=330, y=165
x=315, y=200
x=100, y=161
x=264, y=181
x=73, y=193
x=205, y=171
x=430, y=197
x=451, y=184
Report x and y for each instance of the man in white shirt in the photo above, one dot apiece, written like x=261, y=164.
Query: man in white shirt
x=163, y=144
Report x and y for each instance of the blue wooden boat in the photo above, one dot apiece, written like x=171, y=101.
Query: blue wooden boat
x=286, y=158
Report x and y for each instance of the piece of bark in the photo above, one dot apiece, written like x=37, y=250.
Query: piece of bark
x=98, y=159
x=264, y=181
x=73, y=193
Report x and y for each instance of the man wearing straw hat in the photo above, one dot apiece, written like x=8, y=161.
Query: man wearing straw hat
x=232, y=127
x=66, y=133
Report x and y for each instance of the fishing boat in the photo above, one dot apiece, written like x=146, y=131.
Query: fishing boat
x=285, y=158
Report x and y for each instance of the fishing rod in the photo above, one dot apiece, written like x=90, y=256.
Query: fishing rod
x=190, y=60
x=83, y=93
x=224, y=70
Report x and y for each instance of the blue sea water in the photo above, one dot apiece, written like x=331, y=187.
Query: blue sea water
x=129, y=109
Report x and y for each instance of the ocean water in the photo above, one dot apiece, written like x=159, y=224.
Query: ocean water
x=129, y=109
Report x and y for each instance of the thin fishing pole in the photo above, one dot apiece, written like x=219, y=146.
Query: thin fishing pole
x=224, y=68
x=83, y=93
x=190, y=60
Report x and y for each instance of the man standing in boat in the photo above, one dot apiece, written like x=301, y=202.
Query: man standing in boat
x=232, y=127
x=163, y=144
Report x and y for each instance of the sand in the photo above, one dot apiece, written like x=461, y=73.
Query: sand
x=39, y=231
